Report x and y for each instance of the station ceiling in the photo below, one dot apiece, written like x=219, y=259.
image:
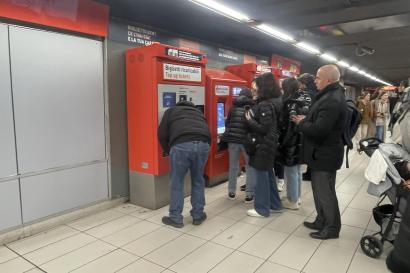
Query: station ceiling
x=350, y=29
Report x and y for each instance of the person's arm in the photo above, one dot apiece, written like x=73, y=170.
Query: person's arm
x=228, y=118
x=264, y=123
x=163, y=132
x=323, y=124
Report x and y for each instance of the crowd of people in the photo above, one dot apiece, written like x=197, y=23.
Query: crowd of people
x=277, y=127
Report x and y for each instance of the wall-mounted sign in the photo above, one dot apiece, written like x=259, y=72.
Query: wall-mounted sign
x=181, y=54
x=182, y=73
x=221, y=90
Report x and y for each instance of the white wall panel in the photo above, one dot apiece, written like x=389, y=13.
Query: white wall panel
x=10, y=213
x=58, y=98
x=7, y=143
x=46, y=194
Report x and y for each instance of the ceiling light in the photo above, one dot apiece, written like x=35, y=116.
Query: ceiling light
x=328, y=57
x=275, y=32
x=361, y=72
x=307, y=47
x=354, y=68
x=222, y=9
x=344, y=64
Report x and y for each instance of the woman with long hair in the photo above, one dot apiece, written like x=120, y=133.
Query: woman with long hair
x=263, y=120
x=381, y=114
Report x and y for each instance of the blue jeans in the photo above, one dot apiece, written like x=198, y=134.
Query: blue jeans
x=266, y=193
x=293, y=178
x=380, y=132
x=235, y=150
x=193, y=156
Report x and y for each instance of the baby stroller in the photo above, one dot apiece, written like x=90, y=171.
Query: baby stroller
x=387, y=216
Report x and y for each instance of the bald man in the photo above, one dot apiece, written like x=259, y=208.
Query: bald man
x=323, y=149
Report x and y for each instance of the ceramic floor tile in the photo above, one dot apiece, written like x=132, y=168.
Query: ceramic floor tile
x=45, y=238
x=142, y=266
x=236, y=235
x=96, y=219
x=16, y=265
x=78, y=258
x=59, y=248
x=236, y=213
x=174, y=250
x=6, y=254
x=344, y=198
x=295, y=252
x=152, y=241
x=219, y=206
x=349, y=238
x=212, y=227
x=348, y=188
x=286, y=222
x=361, y=263
x=364, y=202
x=269, y=267
x=113, y=226
x=202, y=259
x=111, y=262
x=329, y=256
x=144, y=213
x=260, y=221
x=131, y=233
x=34, y=270
x=127, y=208
x=264, y=243
x=356, y=218
x=302, y=231
x=238, y=262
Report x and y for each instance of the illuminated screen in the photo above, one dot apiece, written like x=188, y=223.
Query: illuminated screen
x=220, y=117
x=169, y=99
x=236, y=91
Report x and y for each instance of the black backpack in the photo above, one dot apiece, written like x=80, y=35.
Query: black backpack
x=353, y=119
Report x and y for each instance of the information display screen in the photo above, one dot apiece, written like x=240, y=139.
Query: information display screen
x=236, y=91
x=168, y=99
x=220, y=118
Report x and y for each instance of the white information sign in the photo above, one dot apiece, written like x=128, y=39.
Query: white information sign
x=182, y=73
x=221, y=90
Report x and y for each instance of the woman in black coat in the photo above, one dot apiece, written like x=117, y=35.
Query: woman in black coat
x=263, y=122
x=295, y=102
x=235, y=135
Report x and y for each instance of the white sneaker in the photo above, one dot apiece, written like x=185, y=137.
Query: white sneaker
x=253, y=213
x=281, y=185
x=290, y=205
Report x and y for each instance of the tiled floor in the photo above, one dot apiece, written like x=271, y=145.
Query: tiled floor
x=132, y=239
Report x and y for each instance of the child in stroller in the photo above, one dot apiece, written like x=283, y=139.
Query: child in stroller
x=387, y=216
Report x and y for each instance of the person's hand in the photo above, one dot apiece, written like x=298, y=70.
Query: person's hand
x=298, y=118
x=248, y=115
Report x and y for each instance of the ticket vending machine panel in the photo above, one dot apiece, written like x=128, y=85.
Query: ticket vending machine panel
x=250, y=71
x=158, y=77
x=221, y=88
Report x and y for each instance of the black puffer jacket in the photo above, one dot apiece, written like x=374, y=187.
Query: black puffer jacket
x=235, y=124
x=182, y=123
x=265, y=129
x=323, y=128
x=291, y=152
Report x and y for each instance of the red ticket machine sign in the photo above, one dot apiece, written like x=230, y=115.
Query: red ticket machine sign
x=221, y=89
x=250, y=71
x=158, y=76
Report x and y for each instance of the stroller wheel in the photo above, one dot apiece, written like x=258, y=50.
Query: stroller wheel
x=371, y=246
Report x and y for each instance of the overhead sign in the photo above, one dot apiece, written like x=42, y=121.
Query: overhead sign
x=182, y=73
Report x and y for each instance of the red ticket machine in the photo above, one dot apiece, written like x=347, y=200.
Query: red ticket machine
x=221, y=89
x=250, y=71
x=158, y=76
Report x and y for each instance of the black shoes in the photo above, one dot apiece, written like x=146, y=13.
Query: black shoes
x=324, y=235
x=306, y=176
x=231, y=196
x=248, y=199
x=313, y=225
x=243, y=187
x=168, y=221
x=197, y=222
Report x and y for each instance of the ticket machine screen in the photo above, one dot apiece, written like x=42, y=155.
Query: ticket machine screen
x=220, y=118
x=169, y=99
x=236, y=91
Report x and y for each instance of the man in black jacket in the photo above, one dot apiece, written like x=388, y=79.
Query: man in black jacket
x=184, y=135
x=323, y=128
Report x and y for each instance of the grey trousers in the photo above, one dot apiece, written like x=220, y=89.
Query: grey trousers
x=324, y=194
